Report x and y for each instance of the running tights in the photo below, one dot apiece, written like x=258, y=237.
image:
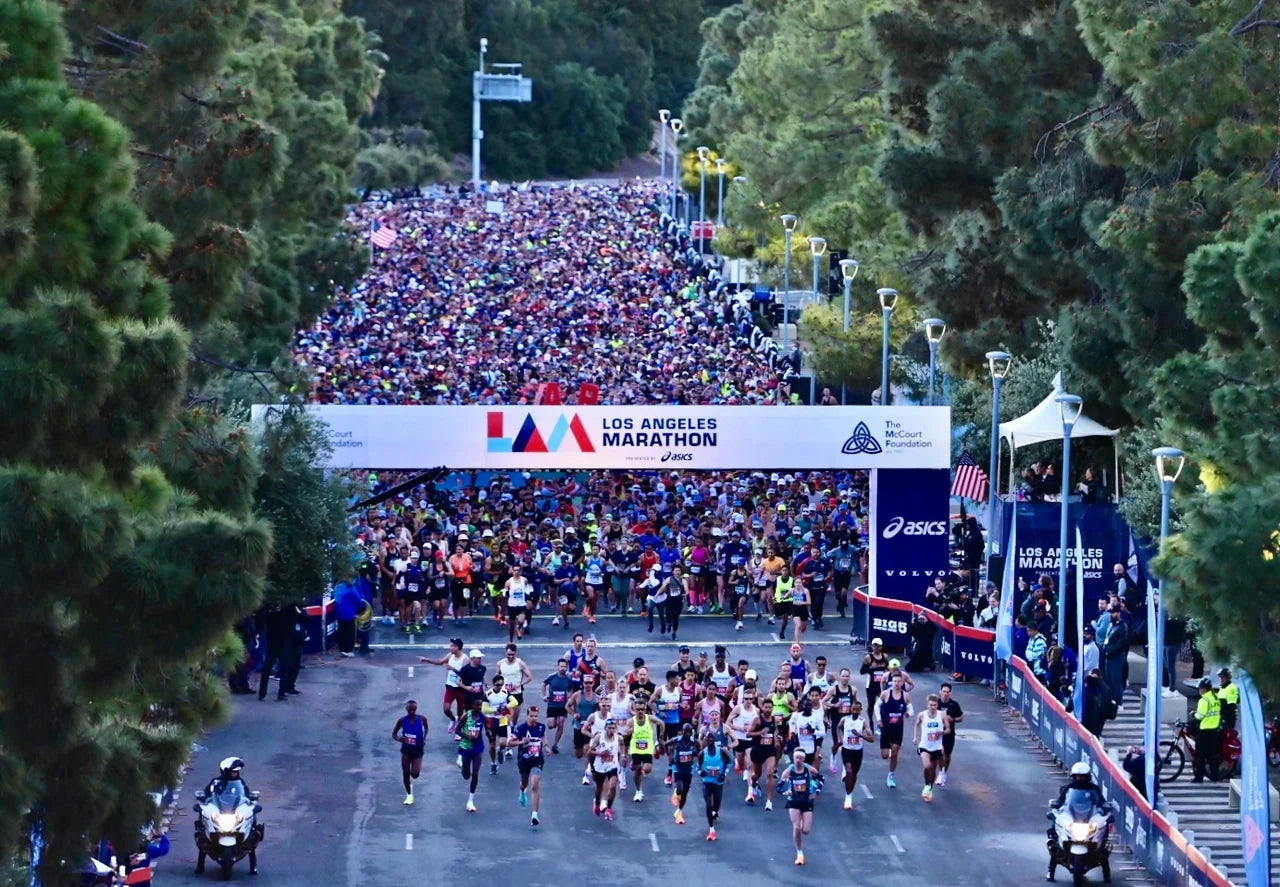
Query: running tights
x=675, y=603
x=682, y=788
x=713, y=794
x=661, y=609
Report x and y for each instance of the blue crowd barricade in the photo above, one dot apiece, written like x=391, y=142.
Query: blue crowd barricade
x=1146, y=833
x=966, y=651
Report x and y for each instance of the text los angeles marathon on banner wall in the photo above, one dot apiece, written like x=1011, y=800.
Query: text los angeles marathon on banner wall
x=636, y=437
x=1106, y=542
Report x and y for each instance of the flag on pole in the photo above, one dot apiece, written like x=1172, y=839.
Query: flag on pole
x=382, y=236
x=970, y=481
x=1004, y=619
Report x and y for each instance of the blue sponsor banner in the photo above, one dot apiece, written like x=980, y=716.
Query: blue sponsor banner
x=1104, y=540
x=890, y=622
x=975, y=653
x=910, y=513
x=1255, y=803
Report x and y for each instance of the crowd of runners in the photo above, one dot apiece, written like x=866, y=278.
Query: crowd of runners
x=783, y=547
x=780, y=728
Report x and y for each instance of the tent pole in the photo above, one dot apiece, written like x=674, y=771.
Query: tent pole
x=1115, y=449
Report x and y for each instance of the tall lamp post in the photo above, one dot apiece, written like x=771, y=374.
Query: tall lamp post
x=848, y=271
x=1069, y=409
x=998, y=362
x=817, y=246
x=934, y=329
x=737, y=263
x=703, y=153
x=788, y=228
x=720, y=196
x=888, y=298
x=1169, y=464
x=676, y=126
x=664, y=119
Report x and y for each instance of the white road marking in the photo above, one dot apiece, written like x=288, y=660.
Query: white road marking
x=408, y=840
x=897, y=844
x=653, y=841
x=671, y=645
x=866, y=791
x=410, y=671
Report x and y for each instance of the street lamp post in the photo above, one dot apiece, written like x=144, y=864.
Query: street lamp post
x=677, y=125
x=848, y=271
x=703, y=153
x=934, y=329
x=817, y=246
x=737, y=263
x=720, y=196
x=788, y=228
x=664, y=120
x=998, y=362
x=888, y=298
x=1069, y=409
x=1168, y=474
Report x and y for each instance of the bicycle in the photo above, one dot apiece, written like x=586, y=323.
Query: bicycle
x=1174, y=752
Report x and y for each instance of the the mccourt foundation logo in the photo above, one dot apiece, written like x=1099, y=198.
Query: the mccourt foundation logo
x=530, y=440
x=861, y=441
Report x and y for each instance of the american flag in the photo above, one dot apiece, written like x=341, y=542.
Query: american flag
x=381, y=235
x=971, y=480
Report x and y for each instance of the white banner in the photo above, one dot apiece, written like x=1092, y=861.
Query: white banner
x=637, y=437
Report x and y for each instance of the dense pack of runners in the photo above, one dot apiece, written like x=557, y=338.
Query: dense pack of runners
x=698, y=725
x=786, y=547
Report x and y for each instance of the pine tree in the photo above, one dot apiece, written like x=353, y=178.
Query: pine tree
x=120, y=581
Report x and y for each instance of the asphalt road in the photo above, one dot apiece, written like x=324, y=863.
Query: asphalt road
x=330, y=781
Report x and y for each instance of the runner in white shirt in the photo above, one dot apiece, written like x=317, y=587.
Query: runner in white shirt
x=453, y=689
x=931, y=726
x=517, y=592
x=515, y=674
x=853, y=729
x=742, y=719
x=807, y=729
x=606, y=761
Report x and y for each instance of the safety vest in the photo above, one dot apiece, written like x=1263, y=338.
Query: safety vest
x=1209, y=712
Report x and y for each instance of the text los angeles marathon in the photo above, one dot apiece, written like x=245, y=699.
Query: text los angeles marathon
x=661, y=433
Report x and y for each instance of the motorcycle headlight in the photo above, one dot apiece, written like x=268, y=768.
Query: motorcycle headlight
x=1082, y=831
x=226, y=821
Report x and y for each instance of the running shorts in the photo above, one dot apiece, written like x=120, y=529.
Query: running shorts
x=851, y=757
x=454, y=694
x=890, y=736
x=760, y=754
x=514, y=613
x=800, y=611
x=557, y=711
x=935, y=754
x=601, y=778
x=638, y=761
x=530, y=765
x=802, y=806
x=580, y=739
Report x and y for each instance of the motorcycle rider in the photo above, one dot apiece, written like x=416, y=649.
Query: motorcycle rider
x=1081, y=780
x=228, y=773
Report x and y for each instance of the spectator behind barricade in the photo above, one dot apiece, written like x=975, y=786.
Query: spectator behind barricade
x=1092, y=490
x=1020, y=637
x=1098, y=707
x=1037, y=650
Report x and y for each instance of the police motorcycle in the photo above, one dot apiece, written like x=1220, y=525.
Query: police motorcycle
x=1080, y=836
x=227, y=827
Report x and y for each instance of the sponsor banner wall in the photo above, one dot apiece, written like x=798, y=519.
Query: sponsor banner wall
x=909, y=524
x=968, y=651
x=1105, y=542
x=630, y=437
x=1168, y=858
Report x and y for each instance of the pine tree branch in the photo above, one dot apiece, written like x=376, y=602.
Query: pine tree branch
x=1260, y=23
x=122, y=41
x=1043, y=143
x=253, y=372
x=143, y=152
x=1244, y=25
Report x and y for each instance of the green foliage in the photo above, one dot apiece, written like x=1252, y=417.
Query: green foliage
x=601, y=69
x=391, y=159
x=137, y=569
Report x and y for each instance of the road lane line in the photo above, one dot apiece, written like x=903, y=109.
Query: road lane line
x=653, y=841
x=866, y=791
x=410, y=671
x=408, y=840
x=897, y=844
x=619, y=644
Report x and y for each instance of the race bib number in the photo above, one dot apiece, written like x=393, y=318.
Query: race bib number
x=409, y=740
x=895, y=718
x=474, y=731
x=564, y=599
x=935, y=735
x=695, y=569
x=413, y=588
x=534, y=749
x=466, y=594
x=642, y=744
x=877, y=676
x=558, y=697
x=440, y=583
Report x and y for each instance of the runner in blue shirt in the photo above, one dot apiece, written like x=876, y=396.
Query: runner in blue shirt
x=566, y=584
x=713, y=762
x=799, y=783
x=411, y=732
x=531, y=738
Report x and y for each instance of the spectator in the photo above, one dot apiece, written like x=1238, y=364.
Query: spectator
x=1037, y=649
x=1090, y=657
x=1175, y=637
x=347, y=603
x=1092, y=490
x=1098, y=706
x=1135, y=764
x=1115, y=655
x=1055, y=674
x=1020, y=637
x=1043, y=618
x=922, y=635
x=990, y=614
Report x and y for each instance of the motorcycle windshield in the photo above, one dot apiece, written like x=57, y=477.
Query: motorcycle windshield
x=229, y=798
x=1079, y=804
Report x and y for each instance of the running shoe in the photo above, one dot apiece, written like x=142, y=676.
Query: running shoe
x=679, y=817
x=459, y=761
x=471, y=806
x=524, y=800
x=555, y=621
x=890, y=781
x=452, y=726
x=768, y=804
x=711, y=833
x=751, y=796
x=622, y=780
x=771, y=621
x=533, y=820
x=639, y=796
x=738, y=626
x=595, y=808
x=667, y=781
x=591, y=620
x=586, y=779
x=848, y=802
x=799, y=857
x=608, y=813
x=942, y=779
x=927, y=794
x=555, y=749
x=408, y=800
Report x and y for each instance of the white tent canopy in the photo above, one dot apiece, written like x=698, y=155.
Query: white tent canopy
x=1044, y=423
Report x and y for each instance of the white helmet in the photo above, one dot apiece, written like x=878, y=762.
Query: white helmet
x=230, y=765
x=1080, y=768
